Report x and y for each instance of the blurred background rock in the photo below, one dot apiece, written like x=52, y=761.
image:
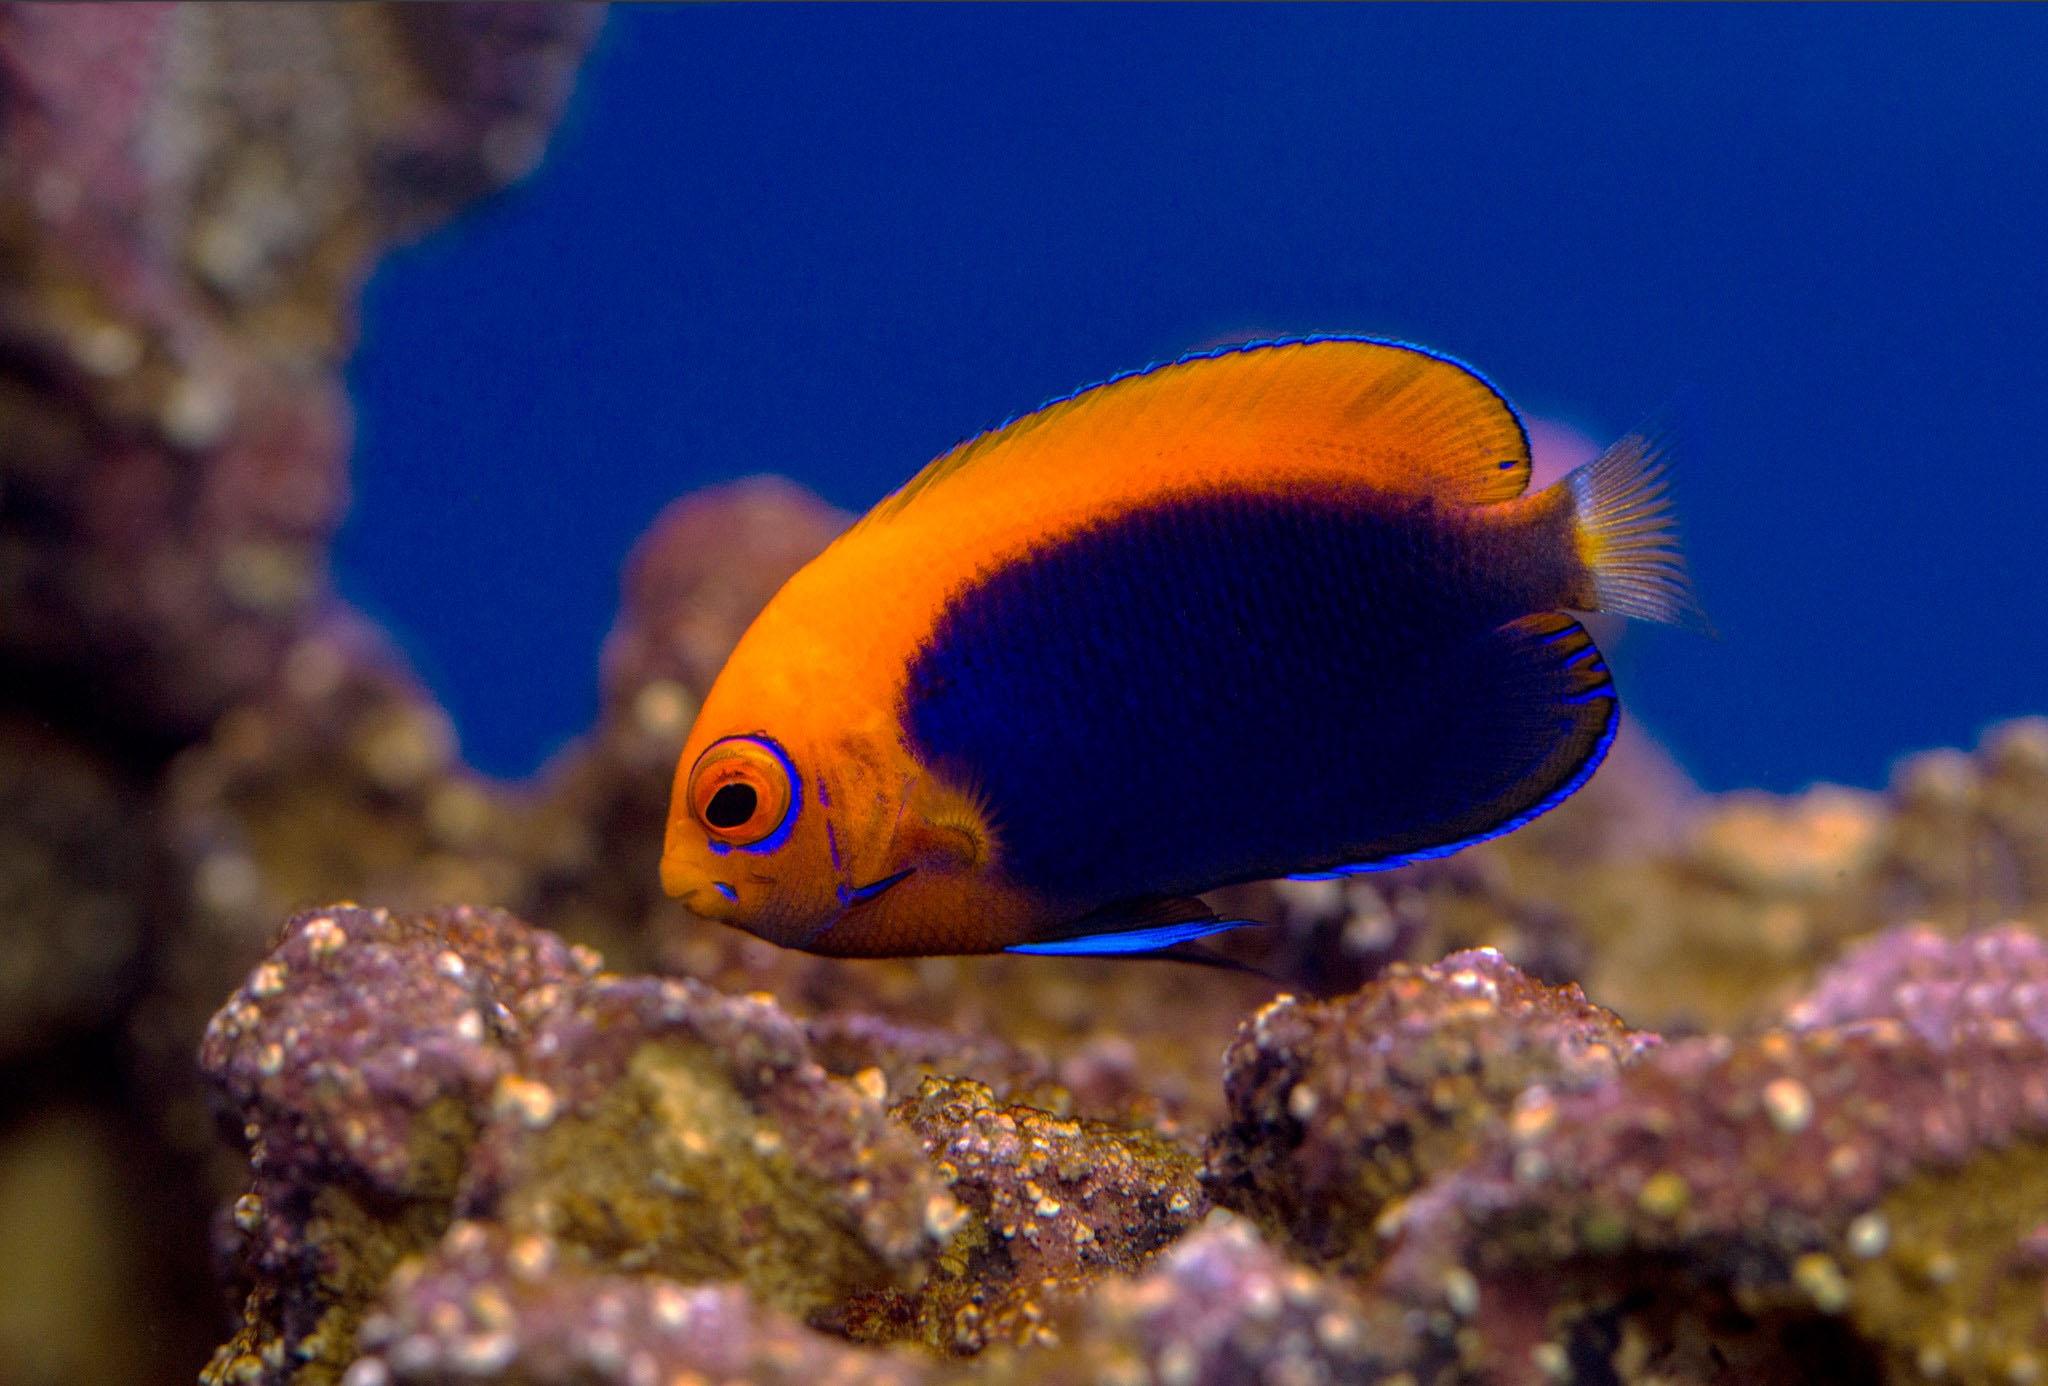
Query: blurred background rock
x=198, y=738
x=190, y=199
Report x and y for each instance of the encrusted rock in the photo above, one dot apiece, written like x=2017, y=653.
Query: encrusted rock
x=485, y=1306
x=1339, y=1110
x=1852, y=1201
x=1046, y=1206
x=1946, y=989
x=390, y=1072
x=900, y=1056
x=186, y=236
x=691, y=1134
x=359, y=1061
x=1219, y=1308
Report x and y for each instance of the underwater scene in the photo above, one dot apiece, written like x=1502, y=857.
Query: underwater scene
x=1032, y=694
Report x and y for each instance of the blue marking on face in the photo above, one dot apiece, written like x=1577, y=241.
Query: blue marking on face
x=775, y=840
x=874, y=888
x=727, y=891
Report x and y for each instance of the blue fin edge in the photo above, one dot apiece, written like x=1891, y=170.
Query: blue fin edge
x=1130, y=941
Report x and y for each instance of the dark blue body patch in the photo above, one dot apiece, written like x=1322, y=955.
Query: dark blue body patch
x=1222, y=687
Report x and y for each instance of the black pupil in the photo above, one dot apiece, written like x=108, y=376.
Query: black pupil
x=731, y=806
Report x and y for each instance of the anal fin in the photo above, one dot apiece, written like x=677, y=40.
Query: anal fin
x=1133, y=927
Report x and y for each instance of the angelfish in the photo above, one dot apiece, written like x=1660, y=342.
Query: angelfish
x=1282, y=609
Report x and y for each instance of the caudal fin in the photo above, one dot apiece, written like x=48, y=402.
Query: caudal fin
x=1627, y=533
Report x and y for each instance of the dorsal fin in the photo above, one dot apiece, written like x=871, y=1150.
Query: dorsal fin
x=1407, y=419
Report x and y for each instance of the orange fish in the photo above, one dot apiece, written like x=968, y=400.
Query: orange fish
x=1281, y=609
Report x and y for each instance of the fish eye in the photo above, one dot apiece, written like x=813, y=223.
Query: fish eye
x=731, y=806
x=741, y=790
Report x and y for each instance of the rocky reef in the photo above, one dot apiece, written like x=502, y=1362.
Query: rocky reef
x=1665, y=1087
x=478, y=1156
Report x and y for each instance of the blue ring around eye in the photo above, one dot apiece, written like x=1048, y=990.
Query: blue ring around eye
x=780, y=835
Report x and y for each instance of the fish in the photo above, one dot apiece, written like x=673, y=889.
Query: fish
x=1283, y=609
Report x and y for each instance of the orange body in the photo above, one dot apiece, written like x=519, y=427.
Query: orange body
x=881, y=852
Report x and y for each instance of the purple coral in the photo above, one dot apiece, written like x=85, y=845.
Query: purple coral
x=390, y=1072
x=1340, y=1109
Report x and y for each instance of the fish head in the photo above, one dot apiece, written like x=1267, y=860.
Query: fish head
x=745, y=844
x=835, y=843
x=800, y=811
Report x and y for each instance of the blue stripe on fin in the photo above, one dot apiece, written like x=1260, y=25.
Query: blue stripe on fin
x=1131, y=941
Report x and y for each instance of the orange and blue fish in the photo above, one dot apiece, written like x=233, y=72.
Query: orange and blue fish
x=1285, y=609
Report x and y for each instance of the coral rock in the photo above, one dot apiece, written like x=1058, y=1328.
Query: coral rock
x=1946, y=989
x=359, y=1060
x=488, y=1307
x=1341, y=1109
x=664, y=1126
x=1219, y=1308
x=392, y=1072
x=1047, y=1205
x=1851, y=1201
x=187, y=237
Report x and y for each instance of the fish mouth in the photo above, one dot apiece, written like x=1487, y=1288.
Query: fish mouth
x=700, y=894
x=711, y=900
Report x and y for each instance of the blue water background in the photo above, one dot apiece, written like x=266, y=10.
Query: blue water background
x=830, y=242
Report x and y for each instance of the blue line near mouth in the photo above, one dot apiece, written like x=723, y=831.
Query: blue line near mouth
x=727, y=891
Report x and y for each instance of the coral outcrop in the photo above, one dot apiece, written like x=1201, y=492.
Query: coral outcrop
x=182, y=236
x=1052, y=1204
x=1812, y=1203
x=1340, y=1110
x=477, y=1155
x=485, y=1307
x=390, y=1073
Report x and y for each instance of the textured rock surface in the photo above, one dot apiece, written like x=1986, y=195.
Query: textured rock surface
x=391, y=1072
x=1221, y=1307
x=182, y=236
x=185, y=236
x=484, y=1307
x=1049, y=1204
x=1844, y=1203
x=478, y=1156
x=1340, y=1110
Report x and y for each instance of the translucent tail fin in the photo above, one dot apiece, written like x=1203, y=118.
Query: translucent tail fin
x=1628, y=533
